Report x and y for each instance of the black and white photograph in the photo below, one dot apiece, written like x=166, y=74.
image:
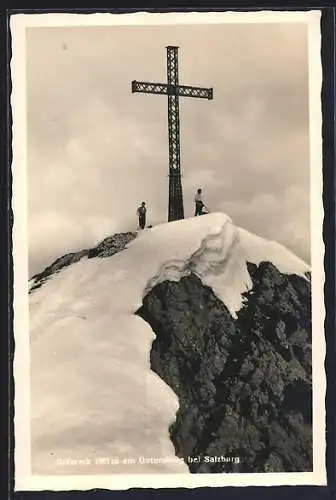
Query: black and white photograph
x=168, y=251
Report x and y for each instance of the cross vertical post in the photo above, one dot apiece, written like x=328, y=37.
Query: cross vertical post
x=175, y=202
x=173, y=90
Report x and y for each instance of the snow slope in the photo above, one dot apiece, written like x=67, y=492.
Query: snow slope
x=93, y=395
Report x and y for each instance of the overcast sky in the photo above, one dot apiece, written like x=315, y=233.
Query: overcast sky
x=95, y=150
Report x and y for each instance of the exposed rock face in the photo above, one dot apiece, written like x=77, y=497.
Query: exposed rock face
x=244, y=385
x=109, y=246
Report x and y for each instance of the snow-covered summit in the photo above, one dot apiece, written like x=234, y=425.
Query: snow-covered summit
x=93, y=393
x=211, y=247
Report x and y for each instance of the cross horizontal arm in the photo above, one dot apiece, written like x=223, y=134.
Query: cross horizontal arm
x=165, y=89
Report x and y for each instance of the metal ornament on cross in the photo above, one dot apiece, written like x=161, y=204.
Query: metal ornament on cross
x=173, y=90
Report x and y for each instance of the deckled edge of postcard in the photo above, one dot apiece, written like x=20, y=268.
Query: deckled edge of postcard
x=23, y=478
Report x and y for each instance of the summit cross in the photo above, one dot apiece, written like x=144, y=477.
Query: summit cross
x=173, y=90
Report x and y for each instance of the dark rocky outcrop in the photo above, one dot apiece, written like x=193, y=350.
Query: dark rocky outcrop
x=106, y=248
x=111, y=245
x=244, y=385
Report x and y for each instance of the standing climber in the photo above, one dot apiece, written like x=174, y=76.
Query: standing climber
x=141, y=212
x=199, y=205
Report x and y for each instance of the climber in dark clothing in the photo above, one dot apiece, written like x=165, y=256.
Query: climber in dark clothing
x=199, y=205
x=141, y=212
